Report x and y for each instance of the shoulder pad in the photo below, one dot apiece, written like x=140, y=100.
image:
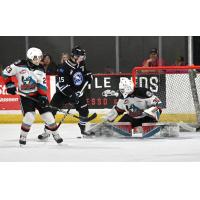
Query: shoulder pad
x=142, y=93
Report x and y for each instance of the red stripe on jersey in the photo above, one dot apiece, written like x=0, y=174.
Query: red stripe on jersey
x=42, y=92
x=7, y=80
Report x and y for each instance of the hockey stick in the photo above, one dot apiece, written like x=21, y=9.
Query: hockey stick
x=63, y=118
x=85, y=119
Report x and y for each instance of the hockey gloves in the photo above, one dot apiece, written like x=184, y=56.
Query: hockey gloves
x=79, y=94
x=74, y=98
x=89, y=77
x=11, y=88
x=43, y=101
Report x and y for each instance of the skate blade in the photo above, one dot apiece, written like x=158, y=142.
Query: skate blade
x=60, y=142
x=43, y=140
x=85, y=136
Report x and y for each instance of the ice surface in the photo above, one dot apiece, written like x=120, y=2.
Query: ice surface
x=184, y=148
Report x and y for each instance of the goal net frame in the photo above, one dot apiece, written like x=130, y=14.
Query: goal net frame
x=192, y=74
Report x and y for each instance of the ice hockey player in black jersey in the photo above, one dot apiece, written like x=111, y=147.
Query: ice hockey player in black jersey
x=72, y=76
x=139, y=105
x=32, y=82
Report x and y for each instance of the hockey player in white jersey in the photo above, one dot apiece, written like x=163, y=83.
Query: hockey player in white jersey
x=139, y=105
x=32, y=82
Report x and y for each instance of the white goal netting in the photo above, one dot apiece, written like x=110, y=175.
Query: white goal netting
x=177, y=87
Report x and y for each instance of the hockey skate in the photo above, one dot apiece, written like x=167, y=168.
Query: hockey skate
x=22, y=139
x=57, y=138
x=84, y=134
x=45, y=135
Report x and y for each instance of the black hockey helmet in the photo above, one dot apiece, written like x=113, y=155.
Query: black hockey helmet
x=78, y=51
x=154, y=51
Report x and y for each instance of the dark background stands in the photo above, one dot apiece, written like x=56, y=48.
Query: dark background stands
x=49, y=65
x=100, y=49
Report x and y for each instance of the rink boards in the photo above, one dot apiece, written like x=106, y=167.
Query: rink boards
x=17, y=118
x=179, y=105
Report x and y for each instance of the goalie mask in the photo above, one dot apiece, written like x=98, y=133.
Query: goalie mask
x=126, y=87
x=34, y=55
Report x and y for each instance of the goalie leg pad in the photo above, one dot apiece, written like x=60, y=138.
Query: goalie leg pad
x=99, y=130
x=123, y=132
x=170, y=131
x=111, y=129
x=118, y=129
x=166, y=129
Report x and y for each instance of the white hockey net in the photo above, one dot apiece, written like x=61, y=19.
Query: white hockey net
x=177, y=87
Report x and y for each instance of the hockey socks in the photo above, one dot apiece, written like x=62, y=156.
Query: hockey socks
x=24, y=132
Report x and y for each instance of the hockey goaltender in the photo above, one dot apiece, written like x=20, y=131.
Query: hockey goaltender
x=140, y=109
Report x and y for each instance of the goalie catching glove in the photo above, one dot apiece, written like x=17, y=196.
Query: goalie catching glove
x=153, y=112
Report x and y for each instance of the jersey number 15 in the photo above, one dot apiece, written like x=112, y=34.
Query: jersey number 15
x=61, y=79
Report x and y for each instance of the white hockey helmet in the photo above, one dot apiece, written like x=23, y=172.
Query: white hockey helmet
x=34, y=55
x=126, y=86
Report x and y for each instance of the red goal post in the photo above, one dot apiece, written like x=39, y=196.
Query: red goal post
x=159, y=68
x=178, y=87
